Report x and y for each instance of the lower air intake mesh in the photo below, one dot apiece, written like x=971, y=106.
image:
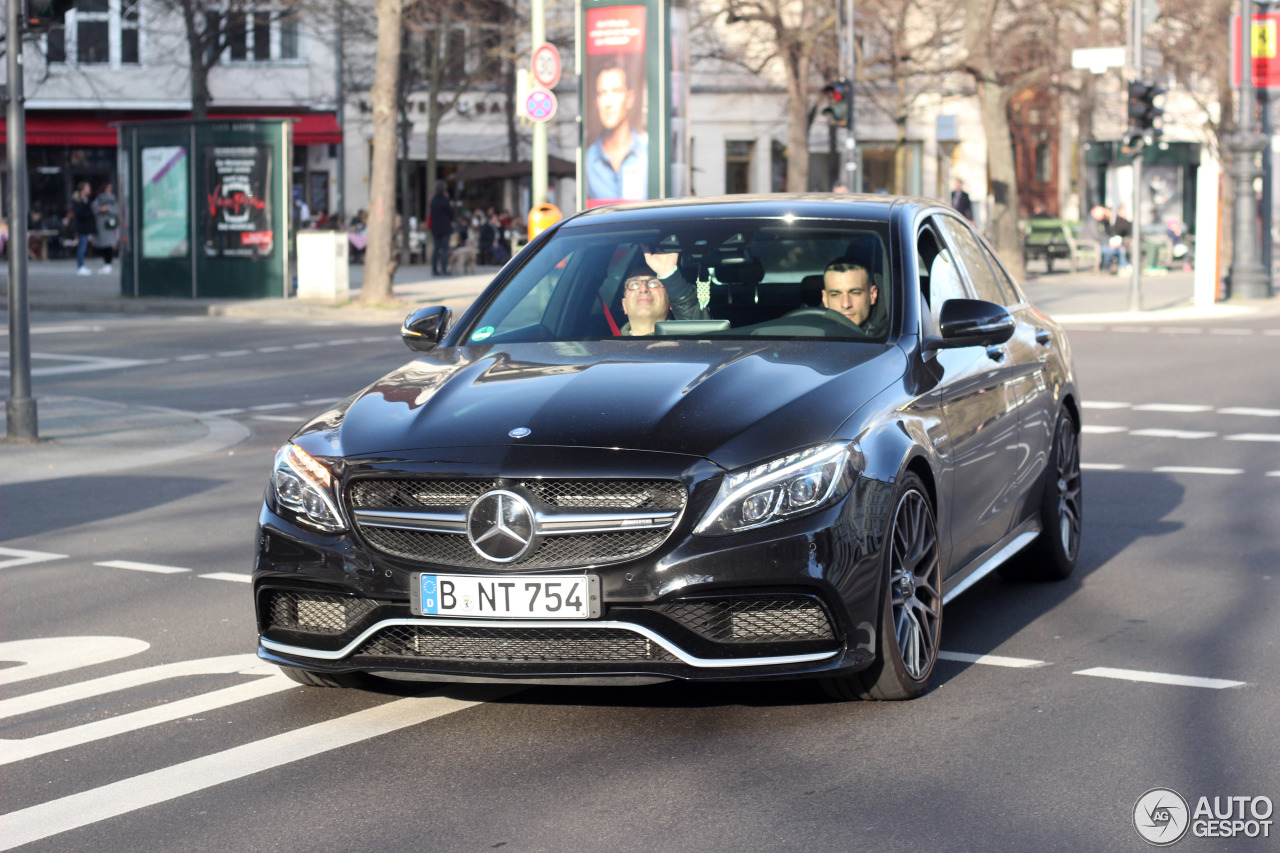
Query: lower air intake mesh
x=513, y=645
x=762, y=619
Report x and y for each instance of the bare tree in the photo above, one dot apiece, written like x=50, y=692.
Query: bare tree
x=380, y=266
x=784, y=34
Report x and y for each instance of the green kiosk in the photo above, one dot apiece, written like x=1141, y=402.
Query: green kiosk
x=205, y=209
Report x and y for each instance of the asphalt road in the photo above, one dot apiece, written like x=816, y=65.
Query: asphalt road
x=1057, y=707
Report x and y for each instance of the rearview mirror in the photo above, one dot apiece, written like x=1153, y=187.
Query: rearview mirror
x=424, y=329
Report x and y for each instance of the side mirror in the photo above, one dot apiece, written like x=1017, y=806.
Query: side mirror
x=424, y=329
x=972, y=323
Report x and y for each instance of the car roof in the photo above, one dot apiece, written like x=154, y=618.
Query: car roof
x=804, y=206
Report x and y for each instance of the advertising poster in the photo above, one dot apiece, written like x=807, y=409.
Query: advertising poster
x=165, y=202
x=616, y=159
x=238, y=208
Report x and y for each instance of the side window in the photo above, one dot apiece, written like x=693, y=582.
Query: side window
x=974, y=258
x=940, y=278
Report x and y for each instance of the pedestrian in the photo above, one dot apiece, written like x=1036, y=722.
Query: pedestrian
x=961, y=202
x=106, y=213
x=81, y=218
x=440, y=222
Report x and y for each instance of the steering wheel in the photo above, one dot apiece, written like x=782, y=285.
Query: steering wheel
x=828, y=318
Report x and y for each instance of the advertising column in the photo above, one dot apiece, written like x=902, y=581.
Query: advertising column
x=634, y=139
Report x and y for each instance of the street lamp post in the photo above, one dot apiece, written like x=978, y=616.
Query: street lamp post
x=20, y=408
x=1248, y=279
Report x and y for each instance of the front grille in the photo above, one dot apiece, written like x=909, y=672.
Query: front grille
x=557, y=497
x=755, y=619
x=316, y=612
x=554, y=552
x=513, y=645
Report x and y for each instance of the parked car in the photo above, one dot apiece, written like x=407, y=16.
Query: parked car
x=853, y=415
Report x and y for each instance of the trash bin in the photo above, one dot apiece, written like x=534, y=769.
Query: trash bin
x=322, y=266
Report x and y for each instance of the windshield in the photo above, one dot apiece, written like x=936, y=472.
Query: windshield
x=730, y=278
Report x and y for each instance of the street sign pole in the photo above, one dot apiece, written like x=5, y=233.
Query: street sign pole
x=1248, y=279
x=1136, y=18
x=538, y=24
x=20, y=408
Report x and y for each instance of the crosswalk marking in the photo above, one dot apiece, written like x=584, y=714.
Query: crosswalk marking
x=1186, y=408
x=1096, y=429
x=14, y=750
x=1192, y=469
x=1254, y=436
x=1246, y=410
x=51, y=655
x=1101, y=466
x=142, y=567
x=1158, y=432
x=87, y=807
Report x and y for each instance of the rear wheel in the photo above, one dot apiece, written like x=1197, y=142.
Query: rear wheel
x=323, y=679
x=1052, y=556
x=911, y=614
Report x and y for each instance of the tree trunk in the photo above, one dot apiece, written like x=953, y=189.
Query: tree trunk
x=797, y=123
x=197, y=52
x=379, y=265
x=1002, y=177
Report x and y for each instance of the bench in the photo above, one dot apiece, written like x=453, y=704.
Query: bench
x=1055, y=239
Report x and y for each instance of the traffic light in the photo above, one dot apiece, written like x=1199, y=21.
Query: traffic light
x=1144, y=115
x=42, y=14
x=839, y=108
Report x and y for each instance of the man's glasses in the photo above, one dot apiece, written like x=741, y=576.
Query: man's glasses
x=647, y=283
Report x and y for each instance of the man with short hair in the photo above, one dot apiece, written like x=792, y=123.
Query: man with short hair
x=617, y=163
x=848, y=289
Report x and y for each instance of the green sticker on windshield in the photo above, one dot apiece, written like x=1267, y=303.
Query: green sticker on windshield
x=481, y=333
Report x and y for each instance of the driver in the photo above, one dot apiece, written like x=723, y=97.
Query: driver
x=847, y=288
x=653, y=288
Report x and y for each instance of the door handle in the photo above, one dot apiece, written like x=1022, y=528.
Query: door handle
x=1043, y=338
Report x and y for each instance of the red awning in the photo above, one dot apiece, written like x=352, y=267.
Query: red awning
x=95, y=130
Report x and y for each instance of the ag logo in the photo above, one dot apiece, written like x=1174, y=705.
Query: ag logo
x=1161, y=816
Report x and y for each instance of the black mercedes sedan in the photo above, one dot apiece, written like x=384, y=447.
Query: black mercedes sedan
x=743, y=438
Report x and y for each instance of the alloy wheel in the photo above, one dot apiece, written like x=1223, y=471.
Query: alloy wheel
x=915, y=584
x=1069, y=496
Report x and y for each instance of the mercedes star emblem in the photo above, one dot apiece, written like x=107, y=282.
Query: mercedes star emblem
x=500, y=526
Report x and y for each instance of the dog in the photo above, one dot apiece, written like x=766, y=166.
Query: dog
x=462, y=259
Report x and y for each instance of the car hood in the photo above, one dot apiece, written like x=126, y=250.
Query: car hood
x=732, y=402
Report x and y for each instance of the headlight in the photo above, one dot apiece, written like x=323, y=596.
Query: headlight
x=783, y=488
x=303, y=485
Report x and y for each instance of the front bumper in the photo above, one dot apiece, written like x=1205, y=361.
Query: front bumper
x=791, y=600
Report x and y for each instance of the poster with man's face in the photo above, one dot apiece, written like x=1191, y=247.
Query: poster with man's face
x=616, y=162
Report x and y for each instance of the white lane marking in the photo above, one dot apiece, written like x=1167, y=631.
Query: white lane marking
x=1231, y=331
x=232, y=353
x=142, y=567
x=1172, y=407
x=1273, y=473
x=244, y=664
x=1159, y=677
x=993, y=660
x=1254, y=436
x=81, y=364
x=169, y=783
x=376, y=339
x=1271, y=331
x=50, y=655
x=238, y=577
x=18, y=557
x=311, y=345
x=13, y=750
x=1173, y=433
x=1179, y=330
x=56, y=330
x=1094, y=429
x=1103, y=404
x=288, y=419
x=1191, y=469
x=272, y=349
x=269, y=406
x=1132, y=330
x=342, y=342
x=1101, y=466
x=198, y=356
x=219, y=412
x=1245, y=410
x=321, y=401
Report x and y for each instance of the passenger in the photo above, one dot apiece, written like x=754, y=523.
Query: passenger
x=847, y=288
x=654, y=288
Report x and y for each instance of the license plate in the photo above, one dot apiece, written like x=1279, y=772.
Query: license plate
x=509, y=597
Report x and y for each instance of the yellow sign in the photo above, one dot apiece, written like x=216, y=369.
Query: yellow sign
x=1264, y=39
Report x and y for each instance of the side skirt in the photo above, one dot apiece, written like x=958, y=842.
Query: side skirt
x=1022, y=536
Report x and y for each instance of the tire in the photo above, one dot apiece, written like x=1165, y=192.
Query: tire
x=308, y=678
x=1053, y=554
x=911, y=612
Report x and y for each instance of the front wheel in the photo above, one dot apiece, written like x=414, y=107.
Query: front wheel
x=911, y=615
